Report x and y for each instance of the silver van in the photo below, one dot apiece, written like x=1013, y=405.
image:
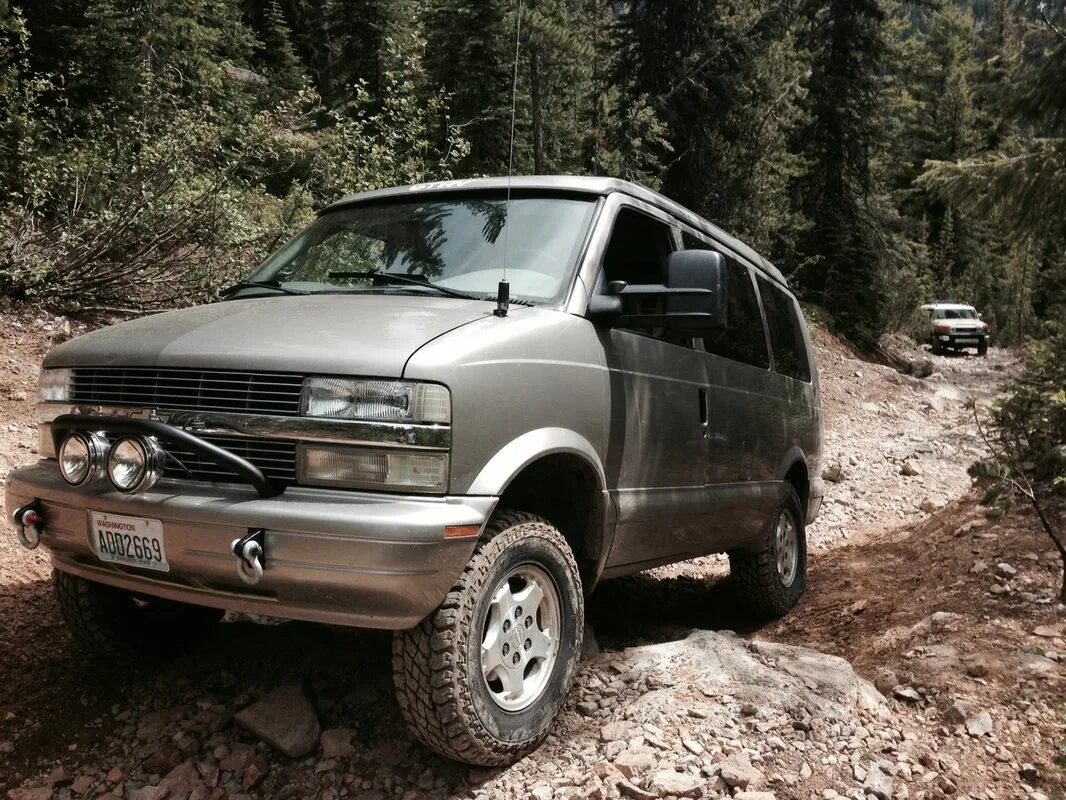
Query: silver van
x=446, y=410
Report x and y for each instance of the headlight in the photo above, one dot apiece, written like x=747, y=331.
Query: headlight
x=81, y=458
x=377, y=401
x=135, y=463
x=53, y=386
x=364, y=468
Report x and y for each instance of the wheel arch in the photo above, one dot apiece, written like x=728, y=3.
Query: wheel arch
x=556, y=474
x=794, y=470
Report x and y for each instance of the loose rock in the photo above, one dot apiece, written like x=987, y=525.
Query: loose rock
x=284, y=719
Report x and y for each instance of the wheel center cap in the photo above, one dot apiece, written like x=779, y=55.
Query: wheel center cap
x=516, y=641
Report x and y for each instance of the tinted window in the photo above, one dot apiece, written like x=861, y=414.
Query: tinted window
x=637, y=253
x=743, y=339
x=638, y=249
x=786, y=333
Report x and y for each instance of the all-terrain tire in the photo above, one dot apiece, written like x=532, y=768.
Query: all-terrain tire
x=115, y=625
x=756, y=576
x=982, y=349
x=440, y=687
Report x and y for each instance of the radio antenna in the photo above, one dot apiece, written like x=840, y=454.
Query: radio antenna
x=503, y=292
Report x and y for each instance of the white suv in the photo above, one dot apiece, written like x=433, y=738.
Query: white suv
x=955, y=327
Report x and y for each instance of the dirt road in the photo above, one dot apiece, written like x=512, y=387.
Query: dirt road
x=947, y=610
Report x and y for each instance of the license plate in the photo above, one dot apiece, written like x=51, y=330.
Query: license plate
x=132, y=541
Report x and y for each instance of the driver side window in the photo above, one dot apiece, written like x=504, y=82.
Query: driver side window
x=637, y=253
x=638, y=249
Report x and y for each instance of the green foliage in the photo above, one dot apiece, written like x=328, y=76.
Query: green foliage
x=184, y=183
x=883, y=153
x=469, y=53
x=726, y=82
x=1031, y=423
x=1027, y=438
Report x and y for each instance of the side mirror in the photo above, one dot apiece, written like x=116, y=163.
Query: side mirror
x=702, y=271
x=694, y=297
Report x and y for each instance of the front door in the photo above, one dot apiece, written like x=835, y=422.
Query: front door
x=657, y=429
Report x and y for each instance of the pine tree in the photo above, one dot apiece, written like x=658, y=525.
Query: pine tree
x=470, y=50
x=1025, y=181
x=725, y=79
x=359, y=30
x=845, y=104
x=276, y=52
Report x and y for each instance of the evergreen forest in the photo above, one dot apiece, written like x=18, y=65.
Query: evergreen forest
x=881, y=153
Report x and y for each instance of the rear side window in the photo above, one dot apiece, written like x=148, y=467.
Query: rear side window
x=743, y=339
x=786, y=332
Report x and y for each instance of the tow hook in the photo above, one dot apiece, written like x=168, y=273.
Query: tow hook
x=29, y=524
x=250, y=552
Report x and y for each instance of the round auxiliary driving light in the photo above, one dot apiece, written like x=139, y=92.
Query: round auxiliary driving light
x=134, y=463
x=81, y=458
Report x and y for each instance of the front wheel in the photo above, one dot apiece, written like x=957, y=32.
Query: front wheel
x=982, y=349
x=771, y=580
x=482, y=678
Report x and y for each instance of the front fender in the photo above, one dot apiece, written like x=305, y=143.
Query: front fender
x=519, y=453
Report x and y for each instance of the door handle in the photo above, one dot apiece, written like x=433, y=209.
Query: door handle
x=703, y=411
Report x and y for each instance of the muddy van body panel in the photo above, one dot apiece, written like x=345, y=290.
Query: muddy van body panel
x=538, y=370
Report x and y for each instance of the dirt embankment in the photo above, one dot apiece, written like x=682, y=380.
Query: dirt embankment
x=945, y=607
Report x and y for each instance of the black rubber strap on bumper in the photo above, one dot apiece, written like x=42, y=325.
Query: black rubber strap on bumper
x=124, y=426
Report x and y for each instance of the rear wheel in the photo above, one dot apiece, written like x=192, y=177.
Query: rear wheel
x=127, y=628
x=771, y=580
x=482, y=678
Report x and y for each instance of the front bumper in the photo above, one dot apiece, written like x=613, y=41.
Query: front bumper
x=961, y=339
x=342, y=557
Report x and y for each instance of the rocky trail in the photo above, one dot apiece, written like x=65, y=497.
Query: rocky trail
x=927, y=659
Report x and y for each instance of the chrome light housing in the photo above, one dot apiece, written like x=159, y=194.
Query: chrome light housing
x=82, y=457
x=376, y=400
x=375, y=469
x=54, y=385
x=135, y=463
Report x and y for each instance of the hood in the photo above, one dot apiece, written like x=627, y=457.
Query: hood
x=370, y=335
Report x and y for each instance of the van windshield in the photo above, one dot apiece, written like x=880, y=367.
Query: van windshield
x=458, y=245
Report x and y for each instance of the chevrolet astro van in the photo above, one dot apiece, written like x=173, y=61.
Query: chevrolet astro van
x=445, y=410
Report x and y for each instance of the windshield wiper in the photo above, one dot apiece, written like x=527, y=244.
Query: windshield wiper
x=409, y=279
x=275, y=285
x=517, y=301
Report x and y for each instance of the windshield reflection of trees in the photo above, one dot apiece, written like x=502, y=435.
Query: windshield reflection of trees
x=408, y=236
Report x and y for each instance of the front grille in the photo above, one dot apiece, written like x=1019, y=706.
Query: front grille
x=189, y=389
x=276, y=459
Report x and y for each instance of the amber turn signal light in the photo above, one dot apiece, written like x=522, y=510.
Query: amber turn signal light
x=461, y=531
